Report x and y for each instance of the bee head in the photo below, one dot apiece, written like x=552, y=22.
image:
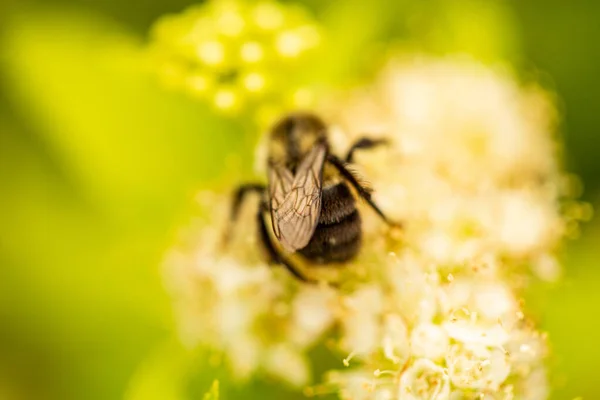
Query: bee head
x=294, y=136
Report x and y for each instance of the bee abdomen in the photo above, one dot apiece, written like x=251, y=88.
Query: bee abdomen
x=338, y=234
x=337, y=203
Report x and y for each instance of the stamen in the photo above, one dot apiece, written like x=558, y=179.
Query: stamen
x=346, y=360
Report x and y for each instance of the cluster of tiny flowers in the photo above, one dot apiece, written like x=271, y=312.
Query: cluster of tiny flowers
x=428, y=312
x=236, y=55
x=426, y=336
x=476, y=174
x=472, y=170
x=228, y=299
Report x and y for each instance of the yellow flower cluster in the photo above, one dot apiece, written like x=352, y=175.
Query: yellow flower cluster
x=236, y=55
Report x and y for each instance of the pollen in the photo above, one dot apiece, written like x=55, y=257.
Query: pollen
x=254, y=82
x=289, y=44
x=303, y=98
x=230, y=23
x=225, y=99
x=211, y=52
x=198, y=83
x=251, y=52
x=268, y=16
x=346, y=361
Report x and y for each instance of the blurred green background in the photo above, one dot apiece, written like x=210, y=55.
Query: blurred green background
x=98, y=167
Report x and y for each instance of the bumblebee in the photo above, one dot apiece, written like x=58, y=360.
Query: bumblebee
x=311, y=196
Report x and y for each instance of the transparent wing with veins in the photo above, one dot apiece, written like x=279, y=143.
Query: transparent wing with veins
x=296, y=199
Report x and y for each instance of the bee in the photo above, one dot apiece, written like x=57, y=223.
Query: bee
x=310, y=198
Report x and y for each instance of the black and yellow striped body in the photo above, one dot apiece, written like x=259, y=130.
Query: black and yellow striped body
x=310, y=197
x=338, y=234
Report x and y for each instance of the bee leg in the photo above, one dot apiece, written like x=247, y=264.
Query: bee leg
x=238, y=198
x=364, y=143
x=275, y=255
x=363, y=192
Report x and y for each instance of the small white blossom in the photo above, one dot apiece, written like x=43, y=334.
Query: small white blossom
x=475, y=366
x=286, y=363
x=424, y=380
x=362, y=320
x=430, y=341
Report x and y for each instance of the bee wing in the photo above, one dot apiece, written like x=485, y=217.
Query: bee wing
x=296, y=200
